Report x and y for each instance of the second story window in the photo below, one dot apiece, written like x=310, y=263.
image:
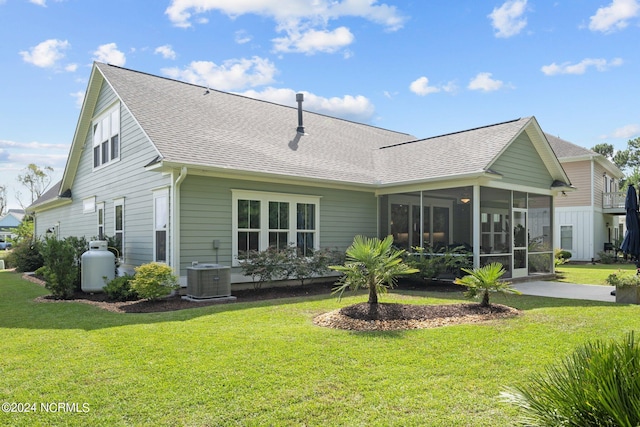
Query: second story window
x=106, y=137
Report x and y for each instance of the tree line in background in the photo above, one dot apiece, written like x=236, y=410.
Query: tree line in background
x=628, y=160
x=35, y=179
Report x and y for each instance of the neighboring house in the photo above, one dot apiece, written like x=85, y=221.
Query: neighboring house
x=9, y=223
x=587, y=220
x=181, y=173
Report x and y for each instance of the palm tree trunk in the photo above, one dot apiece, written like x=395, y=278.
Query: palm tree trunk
x=373, y=292
x=485, y=299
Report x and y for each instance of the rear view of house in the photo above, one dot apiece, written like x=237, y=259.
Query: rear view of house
x=178, y=173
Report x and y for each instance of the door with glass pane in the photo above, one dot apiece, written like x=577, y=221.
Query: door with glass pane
x=520, y=243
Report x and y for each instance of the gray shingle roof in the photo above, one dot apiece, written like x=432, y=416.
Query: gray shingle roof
x=565, y=149
x=234, y=132
x=228, y=132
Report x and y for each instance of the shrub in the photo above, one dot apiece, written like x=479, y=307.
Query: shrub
x=623, y=280
x=607, y=257
x=279, y=264
x=61, y=271
x=154, y=280
x=26, y=256
x=119, y=289
x=432, y=264
x=561, y=256
x=598, y=385
x=264, y=266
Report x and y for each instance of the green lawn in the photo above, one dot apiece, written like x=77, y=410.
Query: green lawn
x=590, y=274
x=266, y=364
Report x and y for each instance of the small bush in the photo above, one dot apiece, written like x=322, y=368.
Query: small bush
x=607, y=257
x=598, y=385
x=154, y=280
x=61, y=269
x=119, y=289
x=561, y=256
x=26, y=256
x=622, y=280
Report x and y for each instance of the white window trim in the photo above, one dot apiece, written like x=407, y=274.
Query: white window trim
x=157, y=194
x=98, y=119
x=573, y=237
x=265, y=198
x=116, y=203
x=100, y=207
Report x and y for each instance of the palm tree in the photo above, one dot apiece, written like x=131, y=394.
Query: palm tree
x=485, y=279
x=371, y=263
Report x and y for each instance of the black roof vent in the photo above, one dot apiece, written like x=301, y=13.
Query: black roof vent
x=299, y=99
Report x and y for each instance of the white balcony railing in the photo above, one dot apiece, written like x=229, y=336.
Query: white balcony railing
x=614, y=200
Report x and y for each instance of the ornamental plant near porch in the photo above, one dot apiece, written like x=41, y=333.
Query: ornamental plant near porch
x=483, y=280
x=373, y=264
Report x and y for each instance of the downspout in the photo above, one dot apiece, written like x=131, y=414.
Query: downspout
x=476, y=226
x=175, y=215
x=592, y=232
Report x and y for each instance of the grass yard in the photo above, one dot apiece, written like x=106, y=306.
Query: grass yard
x=590, y=274
x=266, y=364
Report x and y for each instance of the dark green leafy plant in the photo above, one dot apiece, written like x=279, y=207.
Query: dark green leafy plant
x=26, y=256
x=431, y=264
x=119, y=289
x=598, y=385
x=264, y=266
x=60, y=271
x=373, y=264
x=482, y=280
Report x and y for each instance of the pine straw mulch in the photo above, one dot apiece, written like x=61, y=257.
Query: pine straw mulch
x=357, y=317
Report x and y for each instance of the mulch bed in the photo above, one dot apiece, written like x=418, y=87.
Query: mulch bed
x=354, y=317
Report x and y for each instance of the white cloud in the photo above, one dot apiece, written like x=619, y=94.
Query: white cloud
x=581, y=67
x=625, y=132
x=421, y=87
x=615, y=16
x=166, y=51
x=42, y=3
x=313, y=41
x=508, y=19
x=485, y=83
x=242, y=37
x=79, y=97
x=233, y=74
x=46, y=54
x=304, y=22
x=71, y=68
x=357, y=108
x=109, y=54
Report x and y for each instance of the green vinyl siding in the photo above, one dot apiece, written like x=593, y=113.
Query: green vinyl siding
x=205, y=216
x=125, y=178
x=521, y=164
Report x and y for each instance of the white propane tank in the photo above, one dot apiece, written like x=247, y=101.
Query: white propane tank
x=97, y=263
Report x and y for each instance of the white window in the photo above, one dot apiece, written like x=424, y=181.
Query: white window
x=118, y=225
x=263, y=220
x=106, y=137
x=566, y=237
x=101, y=235
x=160, y=225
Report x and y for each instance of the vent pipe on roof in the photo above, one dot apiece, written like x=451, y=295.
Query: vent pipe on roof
x=299, y=99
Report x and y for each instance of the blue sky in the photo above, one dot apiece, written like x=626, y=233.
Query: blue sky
x=421, y=67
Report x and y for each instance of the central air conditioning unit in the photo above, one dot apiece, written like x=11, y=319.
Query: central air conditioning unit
x=205, y=281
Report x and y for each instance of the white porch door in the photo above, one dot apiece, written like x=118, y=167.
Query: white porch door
x=520, y=240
